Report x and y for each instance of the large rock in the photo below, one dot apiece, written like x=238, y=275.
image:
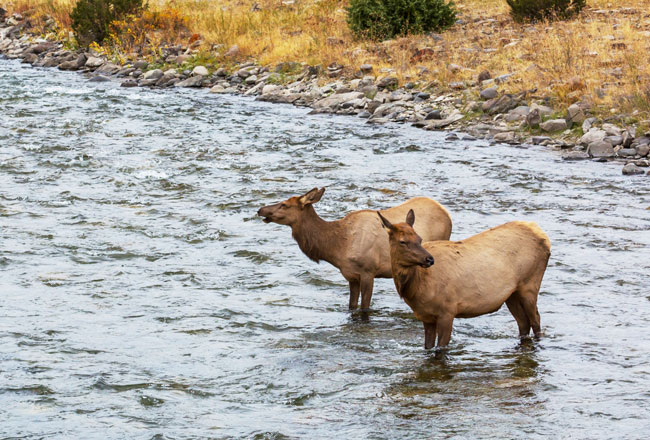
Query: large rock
x=553, y=125
x=631, y=169
x=94, y=62
x=437, y=124
x=140, y=64
x=153, y=75
x=506, y=136
x=332, y=102
x=108, y=69
x=200, y=71
x=502, y=104
x=192, y=81
x=575, y=114
x=533, y=119
x=593, y=135
x=489, y=93
x=600, y=149
x=389, y=81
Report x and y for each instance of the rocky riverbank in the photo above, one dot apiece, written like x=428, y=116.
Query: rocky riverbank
x=477, y=111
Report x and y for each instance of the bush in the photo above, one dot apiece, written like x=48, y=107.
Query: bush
x=92, y=18
x=384, y=19
x=534, y=10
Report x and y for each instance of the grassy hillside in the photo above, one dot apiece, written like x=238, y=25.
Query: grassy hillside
x=603, y=54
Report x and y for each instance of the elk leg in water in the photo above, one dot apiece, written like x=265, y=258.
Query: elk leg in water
x=429, y=335
x=444, y=324
x=529, y=303
x=354, y=294
x=367, y=282
x=515, y=307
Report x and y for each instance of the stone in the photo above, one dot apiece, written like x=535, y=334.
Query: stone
x=593, y=135
x=200, y=70
x=251, y=80
x=600, y=149
x=99, y=78
x=575, y=114
x=332, y=102
x=631, y=169
x=454, y=117
x=218, y=88
x=94, y=62
x=129, y=83
x=543, y=109
x=458, y=85
x=153, y=75
x=454, y=68
x=108, y=69
x=506, y=136
x=180, y=59
x=537, y=140
x=221, y=72
x=626, y=152
x=387, y=82
x=614, y=140
x=553, y=125
x=587, y=124
x=575, y=155
x=364, y=114
x=642, y=150
x=484, y=76
x=365, y=68
x=232, y=52
x=140, y=64
x=30, y=58
x=533, y=118
x=502, y=104
x=489, y=93
x=192, y=81
x=434, y=114
x=270, y=88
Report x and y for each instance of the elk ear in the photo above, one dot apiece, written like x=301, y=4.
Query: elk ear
x=410, y=218
x=385, y=223
x=312, y=196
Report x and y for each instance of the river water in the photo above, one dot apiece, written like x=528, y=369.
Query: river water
x=141, y=297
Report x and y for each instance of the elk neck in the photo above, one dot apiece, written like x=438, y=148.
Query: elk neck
x=317, y=238
x=407, y=279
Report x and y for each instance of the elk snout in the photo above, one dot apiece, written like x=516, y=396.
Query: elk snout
x=428, y=261
x=267, y=213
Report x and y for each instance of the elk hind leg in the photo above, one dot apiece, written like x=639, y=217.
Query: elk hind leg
x=529, y=303
x=518, y=312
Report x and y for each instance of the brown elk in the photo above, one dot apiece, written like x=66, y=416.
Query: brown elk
x=471, y=277
x=355, y=244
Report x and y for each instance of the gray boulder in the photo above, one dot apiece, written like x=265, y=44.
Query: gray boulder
x=601, y=149
x=553, y=125
x=502, y=104
x=192, y=81
x=631, y=169
x=489, y=93
x=153, y=75
x=389, y=81
x=94, y=62
x=593, y=135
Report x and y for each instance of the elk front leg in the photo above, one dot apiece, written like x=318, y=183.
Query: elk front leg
x=367, y=282
x=429, y=335
x=444, y=325
x=354, y=294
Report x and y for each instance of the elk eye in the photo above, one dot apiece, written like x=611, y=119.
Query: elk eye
x=283, y=205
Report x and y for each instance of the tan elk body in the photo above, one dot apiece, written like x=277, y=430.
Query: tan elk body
x=444, y=280
x=355, y=244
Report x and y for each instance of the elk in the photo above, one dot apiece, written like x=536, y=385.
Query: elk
x=471, y=277
x=356, y=244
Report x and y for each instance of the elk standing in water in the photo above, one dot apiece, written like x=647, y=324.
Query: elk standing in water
x=356, y=244
x=470, y=278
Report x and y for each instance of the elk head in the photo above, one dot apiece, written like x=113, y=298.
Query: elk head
x=405, y=245
x=291, y=210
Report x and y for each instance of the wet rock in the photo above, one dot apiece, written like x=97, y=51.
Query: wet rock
x=632, y=169
x=537, y=140
x=553, y=125
x=575, y=155
x=140, y=64
x=506, y=136
x=218, y=88
x=108, y=69
x=387, y=82
x=434, y=114
x=153, y=75
x=332, y=102
x=192, y=81
x=642, y=150
x=200, y=71
x=94, y=62
x=99, y=78
x=489, y=93
x=600, y=149
x=364, y=114
x=593, y=135
x=129, y=83
x=126, y=71
x=626, y=152
x=502, y=104
x=437, y=124
x=30, y=58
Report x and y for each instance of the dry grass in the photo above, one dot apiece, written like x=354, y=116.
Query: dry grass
x=602, y=55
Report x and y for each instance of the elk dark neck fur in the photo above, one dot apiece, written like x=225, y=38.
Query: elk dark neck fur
x=317, y=238
x=406, y=279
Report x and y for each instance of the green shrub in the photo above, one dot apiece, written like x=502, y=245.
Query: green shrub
x=384, y=19
x=534, y=10
x=91, y=18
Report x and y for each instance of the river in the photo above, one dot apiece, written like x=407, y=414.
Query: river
x=141, y=297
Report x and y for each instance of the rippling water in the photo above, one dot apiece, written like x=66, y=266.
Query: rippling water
x=142, y=298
